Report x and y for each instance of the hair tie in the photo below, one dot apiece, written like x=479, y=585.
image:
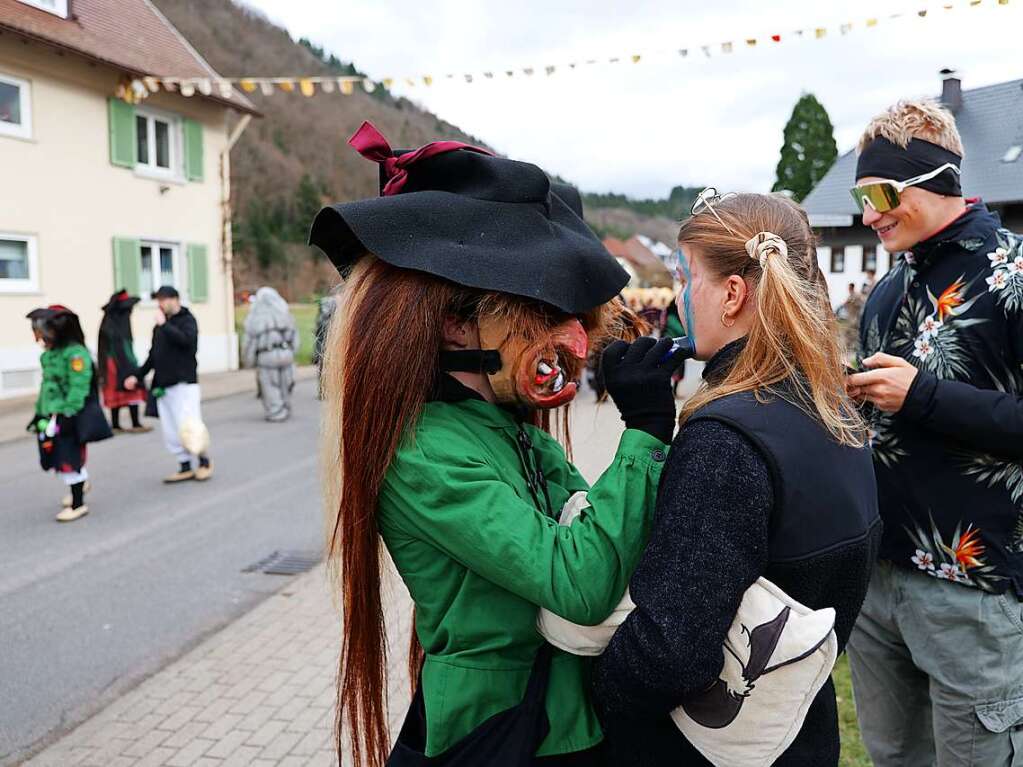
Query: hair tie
x=762, y=244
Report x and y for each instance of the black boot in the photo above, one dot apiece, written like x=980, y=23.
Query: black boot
x=115, y=418
x=133, y=411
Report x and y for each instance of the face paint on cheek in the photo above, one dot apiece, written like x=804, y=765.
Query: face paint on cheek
x=687, y=297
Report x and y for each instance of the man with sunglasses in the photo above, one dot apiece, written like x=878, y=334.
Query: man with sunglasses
x=937, y=653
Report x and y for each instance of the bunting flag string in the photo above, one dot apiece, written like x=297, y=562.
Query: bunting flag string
x=137, y=89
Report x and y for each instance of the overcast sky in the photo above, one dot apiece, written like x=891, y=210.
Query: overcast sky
x=667, y=120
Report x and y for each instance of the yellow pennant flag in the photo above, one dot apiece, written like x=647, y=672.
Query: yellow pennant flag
x=388, y=82
x=287, y=86
x=751, y=42
x=1003, y=2
x=151, y=83
x=346, y=86
x=427, y=80
x=247, y=85
x=306, y=86
x=975, y=2
x=820, y=32
x=635, y=58
x=871, y=22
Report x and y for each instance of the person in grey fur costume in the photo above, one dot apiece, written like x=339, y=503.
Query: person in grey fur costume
x=271, y=341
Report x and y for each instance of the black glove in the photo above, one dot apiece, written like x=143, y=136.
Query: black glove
x=638, y=378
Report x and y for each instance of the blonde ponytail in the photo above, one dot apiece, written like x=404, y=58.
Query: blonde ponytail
x=766, y=239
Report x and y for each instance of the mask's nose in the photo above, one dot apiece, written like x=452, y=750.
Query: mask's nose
x=572, y=336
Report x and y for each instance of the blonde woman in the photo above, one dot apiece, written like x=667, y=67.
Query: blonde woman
x=769, y=476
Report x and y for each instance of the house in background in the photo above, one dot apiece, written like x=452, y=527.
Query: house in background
x=645, y=268
x=990, y=121
x=99, y=194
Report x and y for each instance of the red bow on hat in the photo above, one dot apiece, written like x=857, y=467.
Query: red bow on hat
x=371, y=144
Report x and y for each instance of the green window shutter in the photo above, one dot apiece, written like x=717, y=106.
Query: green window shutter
x=193, y=149
x=198, y=274
x=126, y=265
x=122, y=133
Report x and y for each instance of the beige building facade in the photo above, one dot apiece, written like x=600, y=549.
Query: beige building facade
x=97, y=195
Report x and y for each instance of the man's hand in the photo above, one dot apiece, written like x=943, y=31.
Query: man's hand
x=885, y=385
x=160, y=317
x=130, y=383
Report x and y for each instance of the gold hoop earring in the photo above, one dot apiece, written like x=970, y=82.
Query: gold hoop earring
x=726, y=324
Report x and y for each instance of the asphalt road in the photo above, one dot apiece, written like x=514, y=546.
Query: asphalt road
x=89, y=608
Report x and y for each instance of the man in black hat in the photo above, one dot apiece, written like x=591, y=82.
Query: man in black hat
x=175, y=385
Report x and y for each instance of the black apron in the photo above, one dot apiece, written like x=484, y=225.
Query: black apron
x=511, y=737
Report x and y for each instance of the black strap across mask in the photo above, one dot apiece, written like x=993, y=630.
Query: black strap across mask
x=883, y=159
x=470, y=361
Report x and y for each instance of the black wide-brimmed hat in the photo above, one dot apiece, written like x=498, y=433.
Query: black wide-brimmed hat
x=460, y=213
x=48, y=312
x=120, y=300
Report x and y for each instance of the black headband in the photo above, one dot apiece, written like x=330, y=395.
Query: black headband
x=883, y=159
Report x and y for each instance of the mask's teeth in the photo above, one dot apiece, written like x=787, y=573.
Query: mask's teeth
x=544, y=369
x=559, y=383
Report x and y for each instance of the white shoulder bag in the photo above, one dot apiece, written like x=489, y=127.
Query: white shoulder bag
x=778, y=654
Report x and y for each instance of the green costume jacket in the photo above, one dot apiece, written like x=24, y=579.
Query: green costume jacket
x=479, y=557
x=67, y=375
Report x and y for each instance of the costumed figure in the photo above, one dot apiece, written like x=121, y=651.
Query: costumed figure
x=271, y=342
x=67, y=413
x=473, y=290
x=116, y=353
x=325, y=312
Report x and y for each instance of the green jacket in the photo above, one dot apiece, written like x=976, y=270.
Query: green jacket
x=479, y=558
x=67, y=375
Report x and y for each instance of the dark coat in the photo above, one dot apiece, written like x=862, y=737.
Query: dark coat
x=172, y=354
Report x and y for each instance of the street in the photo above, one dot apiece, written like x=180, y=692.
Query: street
x=92, y=608
x=89, y=609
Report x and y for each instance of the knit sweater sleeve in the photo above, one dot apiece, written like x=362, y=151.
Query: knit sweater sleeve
x=708, y=544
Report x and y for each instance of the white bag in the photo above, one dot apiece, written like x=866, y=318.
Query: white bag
x=778, y=654
x=194, y=435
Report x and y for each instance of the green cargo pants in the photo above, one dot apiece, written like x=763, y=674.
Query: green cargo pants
x=937, y=671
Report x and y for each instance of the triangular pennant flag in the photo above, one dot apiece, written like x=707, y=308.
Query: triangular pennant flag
x=845, y=28
x=510, y=72
x=975, y=2
x=288, y=86
x=152, y=84
x=635, y=58
x=427, y=80
x=171, y=86
x=591, y=61
x=266, y=87
x=776, y=38
x=922, y=13
x=489, y=75
x=247, y=85
x=871, y=22
x=820, y=32
x=368, y=85
x=751, y=42
x=410, y=82
x=613, y=60
x=205, y=86
x=468, y=78
x=572, y=65
x=1003, y=2
x=726, y=47
x=388, y=82
x=187, y=89
x=327, y=85
x=528, y=70
x=225, y=88
x=683, y=52
x=949, y=6
x=799, y=32
x=706, y=50
x=306, y=86
x=347, y=86
x=549, y=69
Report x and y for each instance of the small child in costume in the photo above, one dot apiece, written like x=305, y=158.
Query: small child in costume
x=67, y=380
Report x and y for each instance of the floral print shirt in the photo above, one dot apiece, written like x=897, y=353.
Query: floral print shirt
x=949, y=464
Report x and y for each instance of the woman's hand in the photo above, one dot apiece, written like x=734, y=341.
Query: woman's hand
x=638, y=378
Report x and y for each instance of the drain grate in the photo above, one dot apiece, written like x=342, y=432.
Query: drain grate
x=286, y=563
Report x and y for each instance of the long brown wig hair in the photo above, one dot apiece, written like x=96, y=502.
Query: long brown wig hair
x=794, y=334
x=380, y=368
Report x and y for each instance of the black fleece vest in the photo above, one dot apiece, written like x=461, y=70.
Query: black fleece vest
x=825, y=494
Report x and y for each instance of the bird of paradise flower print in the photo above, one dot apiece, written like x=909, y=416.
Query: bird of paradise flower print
x=961, y=560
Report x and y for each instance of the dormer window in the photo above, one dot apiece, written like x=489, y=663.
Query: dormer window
x=56, y=7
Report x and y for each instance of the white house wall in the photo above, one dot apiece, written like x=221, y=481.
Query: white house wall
x=60, y=187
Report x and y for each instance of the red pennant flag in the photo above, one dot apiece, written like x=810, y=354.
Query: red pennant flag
x=776, y=38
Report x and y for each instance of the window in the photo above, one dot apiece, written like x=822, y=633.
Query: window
x=158, y=265
x=837, y=260
x=157, y=139
x=56, y=7
x=870, y=258
x=18, y=271
x=15, y=109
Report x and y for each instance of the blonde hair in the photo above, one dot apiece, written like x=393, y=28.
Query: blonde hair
x=915, y=118
x=794, y=336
